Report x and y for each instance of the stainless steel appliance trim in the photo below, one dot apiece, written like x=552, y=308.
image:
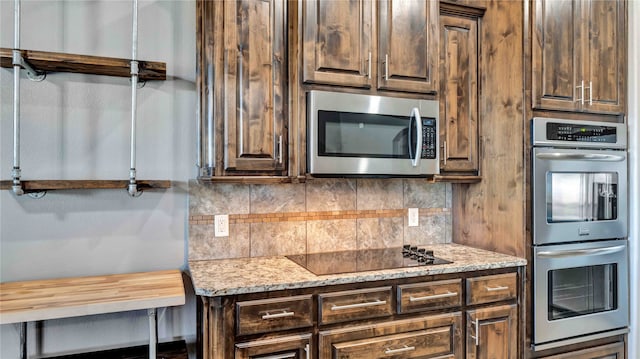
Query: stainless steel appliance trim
x=383, y=105
x=547, y=331
x=416, y=113
x=580, y=157
x=539, y=138
x=547, y=233
x=580, y=252
x=585, y=338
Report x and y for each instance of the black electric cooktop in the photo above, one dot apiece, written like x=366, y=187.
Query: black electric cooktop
x=366, y=260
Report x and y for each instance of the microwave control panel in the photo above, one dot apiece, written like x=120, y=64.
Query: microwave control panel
x=429, y=133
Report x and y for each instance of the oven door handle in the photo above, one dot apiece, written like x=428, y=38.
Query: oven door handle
x=415, y=161
x=580, y=252
x=561, y=156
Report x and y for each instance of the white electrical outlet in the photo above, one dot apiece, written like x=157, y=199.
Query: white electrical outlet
x=221, y=225
x=413, y=217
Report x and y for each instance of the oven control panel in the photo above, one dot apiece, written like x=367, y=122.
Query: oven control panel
x=556, y=132
x=581, y=133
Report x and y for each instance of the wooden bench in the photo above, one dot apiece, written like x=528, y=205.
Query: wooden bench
x=22, y=302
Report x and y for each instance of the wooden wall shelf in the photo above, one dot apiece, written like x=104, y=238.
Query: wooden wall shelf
x=49, y=185
x=85, y=64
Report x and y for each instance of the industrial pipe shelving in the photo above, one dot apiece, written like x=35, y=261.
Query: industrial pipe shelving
x=38, y=64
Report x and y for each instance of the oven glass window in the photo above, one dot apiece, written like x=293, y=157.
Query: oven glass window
x=582, y=196
x=580, y=291
x=346, y=134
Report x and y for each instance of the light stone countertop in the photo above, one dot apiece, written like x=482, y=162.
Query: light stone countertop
x=222, y=277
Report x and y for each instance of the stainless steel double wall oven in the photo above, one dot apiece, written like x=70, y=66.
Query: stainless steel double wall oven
x=580, y=251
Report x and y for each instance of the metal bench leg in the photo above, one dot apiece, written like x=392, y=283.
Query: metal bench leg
x=153, y=333
x=23, y=340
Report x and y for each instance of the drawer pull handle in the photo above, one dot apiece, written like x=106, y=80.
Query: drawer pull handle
x=435, y=296
x=282, y=314
x=399, y=350
x=495, y=289
x=280, y=356
x=359, y=305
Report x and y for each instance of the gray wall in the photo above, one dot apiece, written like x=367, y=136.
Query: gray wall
x=76, y=126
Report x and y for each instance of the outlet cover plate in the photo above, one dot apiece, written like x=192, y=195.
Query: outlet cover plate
x=413, y=217
x=221, y=225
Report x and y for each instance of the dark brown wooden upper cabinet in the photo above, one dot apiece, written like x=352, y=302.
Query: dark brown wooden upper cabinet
x=387, y=44
x=242, y=79
x=408, y=45
x=337, y=42
x=459, y=93
x=579, y=56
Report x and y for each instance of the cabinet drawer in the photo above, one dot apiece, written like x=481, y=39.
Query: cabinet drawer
x=491, y=288
x=430, y=295
x=434, y=336
x=267, y=315
x=355, y=304
x=428, y=343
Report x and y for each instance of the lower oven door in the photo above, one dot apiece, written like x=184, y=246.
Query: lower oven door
x=579, y=289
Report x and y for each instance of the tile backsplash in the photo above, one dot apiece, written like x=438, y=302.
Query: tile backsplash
x=320, y=215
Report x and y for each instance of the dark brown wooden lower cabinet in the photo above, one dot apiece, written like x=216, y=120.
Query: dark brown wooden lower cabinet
x=286, y=347
x=492, y=332
x=609, y=351
x=435, y=336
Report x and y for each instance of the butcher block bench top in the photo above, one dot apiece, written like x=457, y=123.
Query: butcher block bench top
x=72, y=297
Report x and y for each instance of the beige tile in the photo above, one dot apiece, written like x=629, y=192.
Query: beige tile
x=272, y=198
x=380, y=232
x=218, y=198
x=379, y=194
x=432, y=229
x=203, y=245
x=278, y=238
x=331, y=194
x=418, y=193
x=331, y=235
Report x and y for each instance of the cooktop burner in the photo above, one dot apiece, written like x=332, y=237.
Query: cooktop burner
x=366, y=260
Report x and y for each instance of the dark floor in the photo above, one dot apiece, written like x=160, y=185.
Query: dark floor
x=172, y=350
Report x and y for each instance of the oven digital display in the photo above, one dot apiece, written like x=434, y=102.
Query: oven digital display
x=581, y=133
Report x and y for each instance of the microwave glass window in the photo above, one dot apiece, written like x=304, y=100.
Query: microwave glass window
x=346, y=134
x=581, y=197
x=581, y=291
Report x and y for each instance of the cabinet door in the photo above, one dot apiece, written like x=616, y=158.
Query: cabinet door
x=254, y=85
x=408, y=45
x=492, y=332
x=337, y=42
x=605, y=56
x=609, y=351
x=459, y=93
x=556, y=54
x=289, y=347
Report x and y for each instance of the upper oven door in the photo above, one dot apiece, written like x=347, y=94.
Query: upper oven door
x=371, y=135
x=580, y=289
x=578, y=195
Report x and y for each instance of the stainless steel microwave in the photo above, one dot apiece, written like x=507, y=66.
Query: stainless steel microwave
x=364, y=135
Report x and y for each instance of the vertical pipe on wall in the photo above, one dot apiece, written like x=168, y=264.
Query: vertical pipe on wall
x=16, y=61
x=133, y=187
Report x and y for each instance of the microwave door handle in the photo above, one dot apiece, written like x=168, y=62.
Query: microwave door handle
x=416, y=160
x=579, y=156
x=580, y=252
